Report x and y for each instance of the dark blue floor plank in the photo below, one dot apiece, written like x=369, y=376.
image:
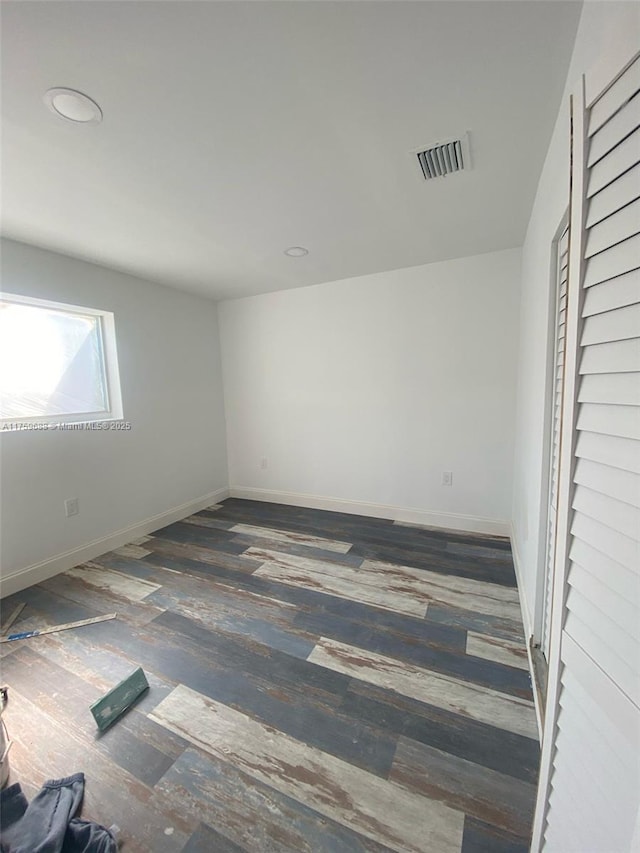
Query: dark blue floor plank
x=254, y=815
x=480, y=837
x=281, y=636
x=312, y=599
x=508, y=753
x=468, y=620
x=406, y=636
x=445, y=563
x=214, y=540
x=506, y=679
x=207, y=840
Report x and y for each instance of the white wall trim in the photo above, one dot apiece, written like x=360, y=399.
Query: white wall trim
x=428, y=518
x=524, y=607
x=527, y=623
x=54, y=565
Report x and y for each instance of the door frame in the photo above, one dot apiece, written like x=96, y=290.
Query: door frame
x=547, y=441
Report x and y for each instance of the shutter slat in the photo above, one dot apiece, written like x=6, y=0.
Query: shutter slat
x=571, y=834
x=573, y=787
x=621, y=581
x=623, y=157
x=614, y=293
x=571, y=733
x=615, y=388
x=579, y=626
x=620, y=356
x=570, y=791
x=624, y=613
x=618, y=127
x=575, y=701
x=614, y=513
x=623, y=485
x=623, y=421
x=609, y=644
x=617, y=325
x=614, y=261
x=616, y=96
x=607, y=700
x=614, y=229
x=616, y=452
x=588, y=693
x=620, y=548
x=619, y=193
x=614, y=718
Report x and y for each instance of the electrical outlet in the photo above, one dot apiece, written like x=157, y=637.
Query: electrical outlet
x=264, y=462
x=71, y=507
x=447, y=478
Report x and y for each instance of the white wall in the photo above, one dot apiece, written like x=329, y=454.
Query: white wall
x=172, y=394
x=599, y=24
x=366, y=390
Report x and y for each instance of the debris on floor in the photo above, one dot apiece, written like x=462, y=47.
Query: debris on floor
x=25, y=635
x=114, y=703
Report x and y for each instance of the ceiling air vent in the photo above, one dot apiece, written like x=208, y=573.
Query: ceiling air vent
x=444, y=158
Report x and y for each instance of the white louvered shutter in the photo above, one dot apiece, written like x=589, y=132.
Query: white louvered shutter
x=558, y=378
x=594, y=771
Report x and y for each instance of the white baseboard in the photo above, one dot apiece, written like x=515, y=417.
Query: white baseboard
x=60, y=563
x=426, y=518
x=527, y=623
x=524, y=607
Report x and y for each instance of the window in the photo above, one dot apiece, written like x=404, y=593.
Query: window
x=58, y=363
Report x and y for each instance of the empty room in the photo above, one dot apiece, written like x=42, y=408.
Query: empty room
x=319, y=426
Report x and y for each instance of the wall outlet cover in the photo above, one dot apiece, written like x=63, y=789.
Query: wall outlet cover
x=71, y=507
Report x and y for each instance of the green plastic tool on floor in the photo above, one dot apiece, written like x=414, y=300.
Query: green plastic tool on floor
x=114, y=703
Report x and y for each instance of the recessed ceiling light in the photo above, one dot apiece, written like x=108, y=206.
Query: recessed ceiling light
x=73, y=106
x=296, y=251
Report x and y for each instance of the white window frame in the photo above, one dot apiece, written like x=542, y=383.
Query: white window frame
x=107, y=331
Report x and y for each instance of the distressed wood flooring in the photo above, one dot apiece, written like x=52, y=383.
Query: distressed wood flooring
x=319, y=682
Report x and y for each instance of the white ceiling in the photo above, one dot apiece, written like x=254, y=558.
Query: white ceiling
x=233, y=130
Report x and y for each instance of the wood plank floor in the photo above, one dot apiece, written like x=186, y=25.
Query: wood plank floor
x=319, y=682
